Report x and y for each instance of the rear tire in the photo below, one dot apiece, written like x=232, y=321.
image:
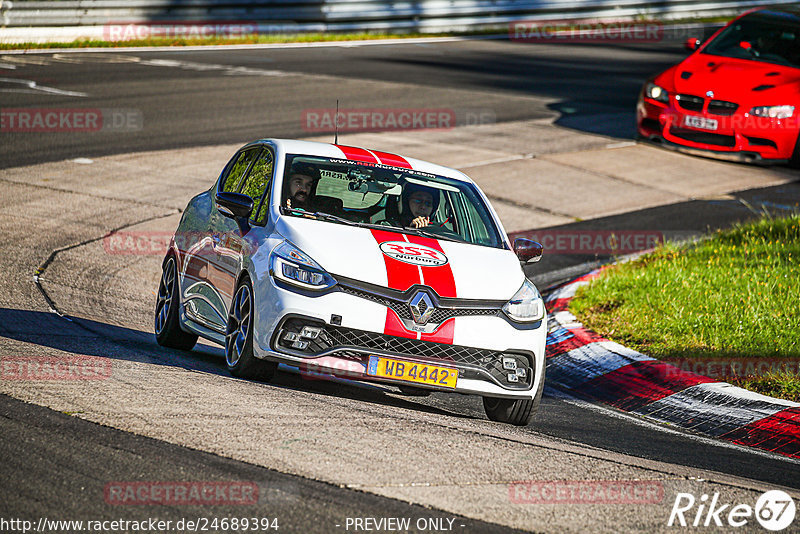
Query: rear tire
x=239, y=338
x=167, y=323
x=794, y=162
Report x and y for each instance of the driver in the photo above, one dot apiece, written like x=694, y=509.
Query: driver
x=300, y=185
x=419, y=203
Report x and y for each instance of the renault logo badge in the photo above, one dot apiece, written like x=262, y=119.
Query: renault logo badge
x=421, y=307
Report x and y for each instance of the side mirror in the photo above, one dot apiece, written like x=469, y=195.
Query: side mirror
x=234, y=205
x=528, y=251
x=692, y=43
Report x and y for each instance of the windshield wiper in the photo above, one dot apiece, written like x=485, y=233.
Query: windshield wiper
x=437, y=236
x=318, y=215
x=334, y=218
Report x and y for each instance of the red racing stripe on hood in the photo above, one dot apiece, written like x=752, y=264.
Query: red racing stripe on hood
x=440, y=278
x=399, y=275
x=392, y=159
x=357, y=154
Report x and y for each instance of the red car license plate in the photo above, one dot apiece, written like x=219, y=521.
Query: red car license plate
x=702, y=123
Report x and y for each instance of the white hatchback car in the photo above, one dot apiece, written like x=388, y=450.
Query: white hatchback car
x=359, y=264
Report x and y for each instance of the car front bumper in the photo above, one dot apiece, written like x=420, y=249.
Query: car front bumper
x=739, y=137
x=352, y=329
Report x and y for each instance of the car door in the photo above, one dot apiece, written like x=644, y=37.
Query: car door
x=205, y=296
x=231, y=243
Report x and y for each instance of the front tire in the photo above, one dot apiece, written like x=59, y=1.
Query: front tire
x=239, y=338
x=516, y=412
x=167, y=323
x=411, y=391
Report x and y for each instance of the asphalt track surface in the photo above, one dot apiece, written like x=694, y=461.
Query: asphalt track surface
x=52, y=458
x=189, y=103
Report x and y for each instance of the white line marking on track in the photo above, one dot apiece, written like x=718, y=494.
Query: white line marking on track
x=30, y=86
x=27, y=60
x=621, y=144
x=231, y=70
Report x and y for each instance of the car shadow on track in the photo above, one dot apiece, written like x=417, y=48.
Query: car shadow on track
x=86, y=337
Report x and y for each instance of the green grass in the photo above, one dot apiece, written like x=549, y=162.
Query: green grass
x=735, y=295
x=250, y=39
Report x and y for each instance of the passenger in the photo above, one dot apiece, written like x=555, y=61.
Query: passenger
x=419, y=203
x=298, y=191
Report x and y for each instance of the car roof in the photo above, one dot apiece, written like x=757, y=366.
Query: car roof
x=330, y=150
x=792, y=10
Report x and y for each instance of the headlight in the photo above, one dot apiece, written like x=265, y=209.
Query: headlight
x=773, y=112
x=291, y=265
x=656, y=92
x=526, y=305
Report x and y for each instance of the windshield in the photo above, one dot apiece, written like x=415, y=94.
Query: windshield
x=761, y=37
x=390, y=198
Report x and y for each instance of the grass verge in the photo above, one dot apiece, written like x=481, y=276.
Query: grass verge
x=728, y=305
x=244, y=40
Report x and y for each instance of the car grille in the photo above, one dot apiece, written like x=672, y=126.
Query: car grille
x=715, y=107
x=705, y=138
x=720, y=107
x=339, y=339
x=690, y=102
x=401, y=308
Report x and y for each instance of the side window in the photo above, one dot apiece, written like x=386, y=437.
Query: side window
x=449, y=220
x=481, y=235
x=258, y=180
x=230, y=183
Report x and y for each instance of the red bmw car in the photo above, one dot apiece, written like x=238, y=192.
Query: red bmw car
x=737, y=96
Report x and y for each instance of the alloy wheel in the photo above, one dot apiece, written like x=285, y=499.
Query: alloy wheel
x=239, y=323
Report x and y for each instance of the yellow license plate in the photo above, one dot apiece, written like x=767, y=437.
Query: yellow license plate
x=418, y=373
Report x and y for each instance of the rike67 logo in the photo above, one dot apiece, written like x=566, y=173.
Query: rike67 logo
x=774, y=510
